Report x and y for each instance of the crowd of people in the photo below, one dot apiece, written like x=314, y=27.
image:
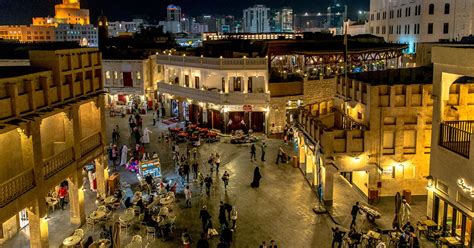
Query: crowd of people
x=189, y=168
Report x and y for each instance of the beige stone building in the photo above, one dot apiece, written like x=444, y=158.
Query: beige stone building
x=376, y=132
x=52, y=123
x=451, y=174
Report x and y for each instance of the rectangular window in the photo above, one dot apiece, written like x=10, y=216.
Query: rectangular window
x=430, y=28
x=250, y=85
x=186, y=80
x=196, y=82
x=223, y=85
x=138, y=75
x=107, y=74
x=383, y=29
x=384, y=15
x=237, y=83
x=431, y=9
x=445, y=28
x=377, y=30
x=378, y=16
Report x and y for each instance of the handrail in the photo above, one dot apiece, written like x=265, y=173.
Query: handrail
x=465, y=125
x=455, y=139
x=16, y=186
x=90, y=143
x=58, y=162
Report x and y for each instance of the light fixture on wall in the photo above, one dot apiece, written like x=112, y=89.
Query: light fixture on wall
x=430, y=181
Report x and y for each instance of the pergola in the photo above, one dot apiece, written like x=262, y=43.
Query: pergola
x=329, y=58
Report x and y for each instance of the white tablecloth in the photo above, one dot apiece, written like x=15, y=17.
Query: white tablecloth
x=72, y=240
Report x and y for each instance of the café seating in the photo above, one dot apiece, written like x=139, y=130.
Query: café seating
x=52, y=202
x=150, y=231
x=79, y=233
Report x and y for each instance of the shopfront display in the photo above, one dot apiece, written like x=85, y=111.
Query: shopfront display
x=454, y=222
x=152, y=167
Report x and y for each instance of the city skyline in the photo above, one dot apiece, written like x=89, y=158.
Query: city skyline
x=20, y=12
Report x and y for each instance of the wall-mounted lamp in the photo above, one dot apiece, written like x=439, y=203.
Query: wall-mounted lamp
x=430, y=181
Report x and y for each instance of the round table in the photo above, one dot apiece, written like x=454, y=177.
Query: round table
x=126, y=217
x=110, y=199
x=157, y=218
x=134, y=245
x=166, y=200
x=72, y=240
x=97, y=215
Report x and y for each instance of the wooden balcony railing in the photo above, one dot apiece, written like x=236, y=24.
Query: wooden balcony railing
x=16, y=186
x=90, y=143
x=456, y=137
x=349, y=123
x=58, y=162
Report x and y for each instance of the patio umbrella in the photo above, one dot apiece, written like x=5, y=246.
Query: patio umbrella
x=398, y=204
x=116, y=235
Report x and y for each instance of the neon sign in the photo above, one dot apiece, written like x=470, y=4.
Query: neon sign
x=466, y=187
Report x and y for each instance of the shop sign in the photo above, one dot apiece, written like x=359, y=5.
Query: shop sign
x=247, y=108
x=466, y=187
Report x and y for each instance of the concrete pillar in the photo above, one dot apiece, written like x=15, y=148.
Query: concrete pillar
x=76, y=199
x=39, y=233
x=101, y=174
x=180, y=111
x=246, y=84
x=327, y=176
x=12, y=89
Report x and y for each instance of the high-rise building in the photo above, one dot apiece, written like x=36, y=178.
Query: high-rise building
x=286, y=19
x=256, y=19
x=173, y=13
x=411, y=22
x=336, y=15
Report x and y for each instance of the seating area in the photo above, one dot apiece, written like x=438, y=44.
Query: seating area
x=143, y=216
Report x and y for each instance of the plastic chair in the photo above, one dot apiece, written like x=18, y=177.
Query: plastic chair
x=150, y=230
x=137, y=238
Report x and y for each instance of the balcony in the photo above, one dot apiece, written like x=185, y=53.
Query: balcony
x=90, y=143
x=233, y=98
x=58, y=162
x=456, y=136
x=17, y=186
x=214, y=63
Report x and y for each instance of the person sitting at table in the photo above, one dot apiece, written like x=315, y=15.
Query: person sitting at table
x=128, y=202
x=404, y=240
x=354, y=238
x=337, y=236
x=118, y=195
x=408, y=227
x=140, y=204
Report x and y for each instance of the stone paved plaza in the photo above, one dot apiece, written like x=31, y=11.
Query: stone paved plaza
x=280, y=209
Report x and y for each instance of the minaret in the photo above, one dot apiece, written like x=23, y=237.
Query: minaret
x=103, y=29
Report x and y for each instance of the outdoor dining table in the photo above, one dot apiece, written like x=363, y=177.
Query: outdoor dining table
x=212, y=134
x=373, y=235
x=110, y=199
x=134, y=245
x=157, y=218
x=97, y=215
x=72, y=240
x=126, y=217
x=203, y=130
x=166, y=200
x=450, y=241
x=175, y=129
x=429, y=223
x=183, y=134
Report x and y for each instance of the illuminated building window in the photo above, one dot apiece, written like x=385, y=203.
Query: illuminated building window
x=138, y=75
x=115, y=75
x=107, y=74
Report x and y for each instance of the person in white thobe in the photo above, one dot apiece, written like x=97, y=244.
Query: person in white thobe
x=146, y=136
x=406, y=212
x=123, y=158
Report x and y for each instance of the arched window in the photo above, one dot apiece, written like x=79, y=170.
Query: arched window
x=431, y=9
x=446, y=9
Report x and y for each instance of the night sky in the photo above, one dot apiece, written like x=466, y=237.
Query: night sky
x=21, y=11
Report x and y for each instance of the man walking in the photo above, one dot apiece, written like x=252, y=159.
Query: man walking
x=154, y=118
x=188, y=195
x=264, y=147
x=222, y=214
x=208, y=182
x=195, y=169
x=204, y=216
x=355, y=210
x=186, y=171
x=253, y=153
x=280, y=155
x=200, y=180
x=225, y=178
